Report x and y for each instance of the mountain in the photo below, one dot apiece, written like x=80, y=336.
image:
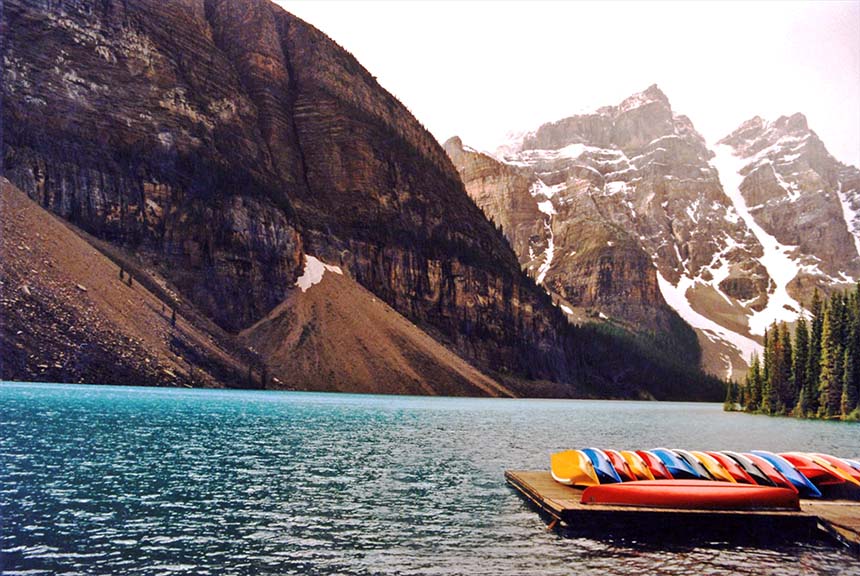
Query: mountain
x=220, y=145
x=220, y=142
x=800, y=202
x=626, y=215
x=68, y=316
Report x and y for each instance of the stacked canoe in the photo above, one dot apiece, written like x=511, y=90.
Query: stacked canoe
x=709, y=480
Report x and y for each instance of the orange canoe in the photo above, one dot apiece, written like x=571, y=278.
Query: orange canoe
x=691, y=494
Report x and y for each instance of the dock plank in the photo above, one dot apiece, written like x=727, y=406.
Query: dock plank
x=839, y=519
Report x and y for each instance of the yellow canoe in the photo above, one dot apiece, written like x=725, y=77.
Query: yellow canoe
x=572, y=467
x=713, y=466
x=637, y=465
x=832, y=469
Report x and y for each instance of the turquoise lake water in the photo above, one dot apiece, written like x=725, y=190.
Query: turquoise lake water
x=122, y=480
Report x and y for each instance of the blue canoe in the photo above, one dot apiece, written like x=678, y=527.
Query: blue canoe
x=605, y=470
x=677, y=466
x=792, y=474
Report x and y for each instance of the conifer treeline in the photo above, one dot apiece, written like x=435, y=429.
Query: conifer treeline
x=816, y=374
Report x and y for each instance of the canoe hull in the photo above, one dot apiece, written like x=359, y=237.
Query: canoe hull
x=637, y=465
x=775, y=475
x=733, y=468
x=572, y=468
x=692, y=495
x=655, y=465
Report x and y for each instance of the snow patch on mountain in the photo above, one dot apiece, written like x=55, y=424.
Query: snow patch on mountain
x=314, y=271
x=851, y=217
x=777, y=259
x=676, y=297
x=540, y=188
x=546, y=207
x=549, y=254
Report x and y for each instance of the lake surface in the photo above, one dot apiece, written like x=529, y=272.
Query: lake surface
x=98, y=479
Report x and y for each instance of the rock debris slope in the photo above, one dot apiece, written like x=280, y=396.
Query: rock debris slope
x=68, y=317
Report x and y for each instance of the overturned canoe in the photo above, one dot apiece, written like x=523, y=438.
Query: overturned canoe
x=573, y=468
x=637, y=465
x=602, y=465
x=760, y=477
x=655, y=465
x=695, y=464
x=770, y=470
x=677, y=466
x=691, y=494
x=620, y=464
x=791, y=473
x=733, y=468
x=837, y=466
x=817, y=474
x=715, y=468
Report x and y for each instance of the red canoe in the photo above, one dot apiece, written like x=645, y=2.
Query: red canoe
x=691, y=494
x=658, y=469
x=815, y=472
x=620, y=464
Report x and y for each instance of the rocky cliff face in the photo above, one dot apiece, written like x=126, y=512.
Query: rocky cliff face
x=803, y=200
x=221, y=140
x=568, y=245
x=128, y=120
x=618, y=189
x=634, y=210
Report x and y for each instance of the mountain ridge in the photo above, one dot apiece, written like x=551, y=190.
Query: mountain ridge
x=647, y=170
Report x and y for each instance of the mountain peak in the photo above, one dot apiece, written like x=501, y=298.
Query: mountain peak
x=649, y=95
x=654, y=92
x=794, y=123
x=454, y=142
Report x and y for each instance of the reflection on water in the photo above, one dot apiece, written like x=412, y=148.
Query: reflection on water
x=140, y=480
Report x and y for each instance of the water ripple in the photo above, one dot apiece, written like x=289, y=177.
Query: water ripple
x=107, y=480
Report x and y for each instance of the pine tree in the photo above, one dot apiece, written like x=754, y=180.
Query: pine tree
x=848, y=399
x=802, y=388
x=851, y=368
x=753, y=385
x=771, y=383
x=731, y=396
x=786, y=395
x=830, y=380
x=813, y=367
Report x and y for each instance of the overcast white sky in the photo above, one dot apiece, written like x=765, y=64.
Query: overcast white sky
x=482, y=69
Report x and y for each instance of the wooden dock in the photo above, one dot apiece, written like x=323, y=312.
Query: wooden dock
x=834, y=519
